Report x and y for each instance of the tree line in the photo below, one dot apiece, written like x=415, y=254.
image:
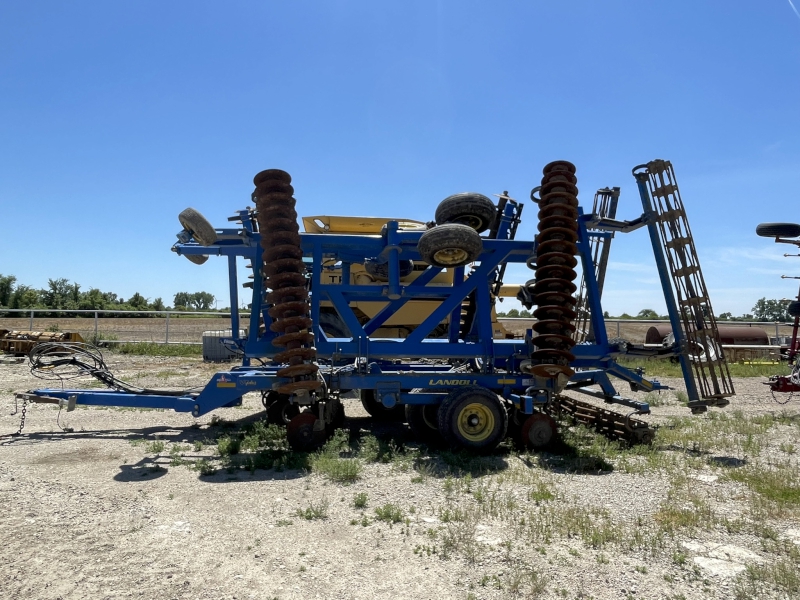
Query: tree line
x=62, y=294
x=764, y=310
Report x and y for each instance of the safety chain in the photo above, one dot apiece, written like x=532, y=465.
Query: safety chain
x=22, y=417
x=774, y=397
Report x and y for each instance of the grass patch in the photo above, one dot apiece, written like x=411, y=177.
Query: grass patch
x=666, y=368
x=155, y=447
x=314, y=511
x=390, y=513
x=780, y=485
x=333, y=460
x=154, y=349
x=360, y=500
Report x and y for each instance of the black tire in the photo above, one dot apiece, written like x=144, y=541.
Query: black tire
x=423, y=421
x=451, y=245
x=197, y=259
x=473, y=418
x=281, y=411
x=333, y=325
x=337, y=417
x=381, y=271
x=468, y=208
x=196, y=224
x=778, y=230
x=378, y=411
x=794, y=308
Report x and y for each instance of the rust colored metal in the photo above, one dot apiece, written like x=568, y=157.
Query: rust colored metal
x=552, y=286
x=612, y=425
x=284, y=275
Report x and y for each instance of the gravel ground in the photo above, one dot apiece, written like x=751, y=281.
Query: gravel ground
x=99, y=513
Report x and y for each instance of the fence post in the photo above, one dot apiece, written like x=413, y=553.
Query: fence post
x=166, y=338
x=777, y=336
x=30, y=324
x=618, y=334
x=95, y=327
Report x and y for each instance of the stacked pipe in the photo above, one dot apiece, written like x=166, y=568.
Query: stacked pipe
x=553, y=286
x=284, y=275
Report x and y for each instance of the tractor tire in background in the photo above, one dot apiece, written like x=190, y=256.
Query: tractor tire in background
x=794, y=308
x=778, y=230
x=381, y=271
x=281, y=411
x=473, y=210
x=423, y=421
x=202, y=231
x=450, y=245
x=473, y=418
x=333, y=325
x=378, y=411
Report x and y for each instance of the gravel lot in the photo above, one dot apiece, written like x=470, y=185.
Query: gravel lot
x=115, y=509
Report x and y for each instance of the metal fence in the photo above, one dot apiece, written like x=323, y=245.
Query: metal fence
x=179, y=327
x=162, y=327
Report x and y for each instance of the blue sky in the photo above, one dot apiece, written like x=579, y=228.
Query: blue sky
x=115, y=116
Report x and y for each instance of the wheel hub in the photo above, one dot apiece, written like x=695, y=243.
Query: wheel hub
x=476, y=422
x=451, y=256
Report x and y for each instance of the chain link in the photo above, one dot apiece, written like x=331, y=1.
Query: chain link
x=22, y=418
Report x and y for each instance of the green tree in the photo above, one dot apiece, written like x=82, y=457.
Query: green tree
x=182, y=300
x=647, y=313
x=57, y=294
x=202, y=300
x=6, y=289
x=139, y=302
x=25, y=296
x=94, y=299
x=157, y=304
x=771, y=310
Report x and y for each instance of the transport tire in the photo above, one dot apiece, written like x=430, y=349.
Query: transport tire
x=794, y=308
x=333, y=325
x=468, y=208
x=450, y=245
x=378, y=411
x=381, y=271
x=197, y=259
x=196, y=224
x=778, y=230
x=473, y=418
x=423, y=421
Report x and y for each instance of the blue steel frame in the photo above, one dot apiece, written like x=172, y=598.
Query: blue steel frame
x=392, y=367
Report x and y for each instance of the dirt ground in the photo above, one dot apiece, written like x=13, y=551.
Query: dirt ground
x=105, y=511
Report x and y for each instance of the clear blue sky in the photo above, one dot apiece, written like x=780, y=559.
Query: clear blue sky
x=115, y=116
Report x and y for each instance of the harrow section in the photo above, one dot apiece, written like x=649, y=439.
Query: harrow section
x=609, y=423
x=693, y=323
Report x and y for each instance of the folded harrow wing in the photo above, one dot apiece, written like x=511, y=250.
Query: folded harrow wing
x=783, y=234
x=323, y=302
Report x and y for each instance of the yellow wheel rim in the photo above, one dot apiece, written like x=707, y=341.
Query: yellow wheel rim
x=476, y=422
x=451, y=256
